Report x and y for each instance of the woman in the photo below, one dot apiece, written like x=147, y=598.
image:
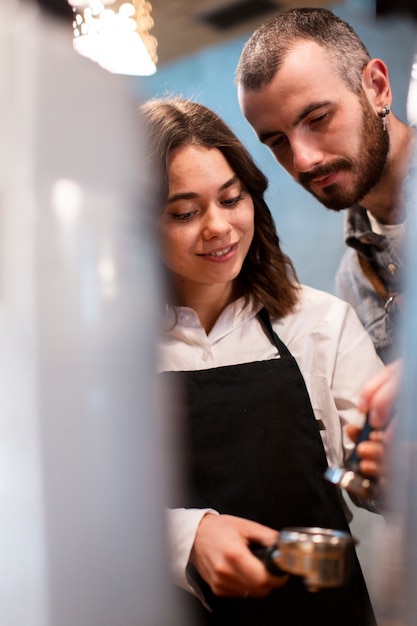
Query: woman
x=270, y=372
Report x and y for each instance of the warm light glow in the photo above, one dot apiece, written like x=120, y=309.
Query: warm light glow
x=107, y=271
x=116, y=38
x=66, y=200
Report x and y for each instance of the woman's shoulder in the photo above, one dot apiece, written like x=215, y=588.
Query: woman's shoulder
x=322, y=329
x=310, y=297
x=319, y=312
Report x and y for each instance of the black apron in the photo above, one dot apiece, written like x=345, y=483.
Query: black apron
x=253, y=449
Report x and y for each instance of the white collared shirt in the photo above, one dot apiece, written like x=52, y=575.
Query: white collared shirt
x=333, y=351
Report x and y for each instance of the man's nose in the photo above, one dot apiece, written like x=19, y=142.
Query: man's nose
x=306, y=155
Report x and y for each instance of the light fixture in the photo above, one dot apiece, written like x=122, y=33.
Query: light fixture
x=115, y=34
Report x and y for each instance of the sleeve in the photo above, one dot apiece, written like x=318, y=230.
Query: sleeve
x=182, y=526
x=355, y=363
x=336, y=357
x=354, y=287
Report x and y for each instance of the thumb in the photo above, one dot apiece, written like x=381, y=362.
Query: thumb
x=264, y=535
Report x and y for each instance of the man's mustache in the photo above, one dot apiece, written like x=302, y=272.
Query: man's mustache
x=305, y=178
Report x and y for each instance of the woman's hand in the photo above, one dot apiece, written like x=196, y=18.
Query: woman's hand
x=222, y=556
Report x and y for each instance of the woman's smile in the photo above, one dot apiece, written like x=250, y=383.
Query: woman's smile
x=222, y=255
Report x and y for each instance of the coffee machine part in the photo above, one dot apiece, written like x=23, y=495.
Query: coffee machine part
x=349, y=476
x=321, y=556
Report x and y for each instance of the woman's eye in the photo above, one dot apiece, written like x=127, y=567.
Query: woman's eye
x=183, y=217
x=230, y=202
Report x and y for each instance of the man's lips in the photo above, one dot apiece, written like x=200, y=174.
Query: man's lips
x=324, y=181
x=325, y=175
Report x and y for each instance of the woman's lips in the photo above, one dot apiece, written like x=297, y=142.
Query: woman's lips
x=221, y=254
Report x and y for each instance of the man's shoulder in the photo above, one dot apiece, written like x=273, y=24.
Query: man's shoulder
x=349, y=262
x=351, y=283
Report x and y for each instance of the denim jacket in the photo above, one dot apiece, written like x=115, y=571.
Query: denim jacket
x=382, y=322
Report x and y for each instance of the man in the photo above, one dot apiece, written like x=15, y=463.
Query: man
x=308, y=86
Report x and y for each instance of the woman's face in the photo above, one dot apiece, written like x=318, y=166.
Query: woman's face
x=207, y=224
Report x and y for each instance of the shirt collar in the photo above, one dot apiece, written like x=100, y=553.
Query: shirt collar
x=234, y=315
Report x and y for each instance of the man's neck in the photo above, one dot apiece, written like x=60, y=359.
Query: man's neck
x=386, y=201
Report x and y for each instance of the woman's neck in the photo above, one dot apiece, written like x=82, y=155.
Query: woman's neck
x=208, y=301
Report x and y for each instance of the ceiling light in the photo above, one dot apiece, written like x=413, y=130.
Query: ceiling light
x=115, y=34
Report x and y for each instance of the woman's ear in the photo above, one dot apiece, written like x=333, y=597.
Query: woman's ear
x=376, y=84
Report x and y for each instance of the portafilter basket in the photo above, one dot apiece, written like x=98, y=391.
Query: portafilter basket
x=322, y=556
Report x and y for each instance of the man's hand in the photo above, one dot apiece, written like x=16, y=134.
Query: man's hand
x=380, y=394
x=378, y=399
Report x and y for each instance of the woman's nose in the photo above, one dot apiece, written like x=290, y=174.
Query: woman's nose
x=216, y=222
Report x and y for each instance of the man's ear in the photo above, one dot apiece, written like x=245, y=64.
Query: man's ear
x=376, y=84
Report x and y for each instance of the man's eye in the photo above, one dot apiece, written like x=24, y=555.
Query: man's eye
x=278, y=142
x=320, y=118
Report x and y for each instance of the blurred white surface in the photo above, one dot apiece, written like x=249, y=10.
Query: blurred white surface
x=83, y=460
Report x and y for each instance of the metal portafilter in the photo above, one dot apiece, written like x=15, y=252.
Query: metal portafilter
x=321, y=556
x=348, y=477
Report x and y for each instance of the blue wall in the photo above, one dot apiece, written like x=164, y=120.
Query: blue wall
x=310, y=234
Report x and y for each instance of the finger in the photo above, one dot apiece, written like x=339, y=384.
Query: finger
x=389, y=372
x=372, y=458
x=352, y=432
x=257, y=533
x=372, y=470
x=372, y=450
x=382, y=406
x=378, y=436
x=380, y=394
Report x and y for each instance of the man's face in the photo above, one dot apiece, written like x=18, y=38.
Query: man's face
x=328, y=138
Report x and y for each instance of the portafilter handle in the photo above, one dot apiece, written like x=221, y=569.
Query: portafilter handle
x=349, y=477
x=353, y=461
x=269, y=555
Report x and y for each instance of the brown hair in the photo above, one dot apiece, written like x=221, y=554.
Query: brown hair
x=267, y=274
x=265, y=51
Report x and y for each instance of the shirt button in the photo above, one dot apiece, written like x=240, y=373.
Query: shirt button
x=205, y=356
x=392, y=268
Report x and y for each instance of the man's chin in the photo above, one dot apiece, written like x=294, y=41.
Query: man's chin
x=331, y=203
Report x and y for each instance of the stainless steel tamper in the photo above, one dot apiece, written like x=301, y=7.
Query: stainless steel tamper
x=348, y=477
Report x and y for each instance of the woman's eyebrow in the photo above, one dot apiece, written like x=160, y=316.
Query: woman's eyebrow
x=186, y=195
x=230, y=182
x=190, y=195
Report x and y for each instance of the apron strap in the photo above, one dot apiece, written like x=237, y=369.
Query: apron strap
x=267, y=326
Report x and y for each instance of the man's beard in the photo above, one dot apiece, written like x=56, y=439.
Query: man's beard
x=368, y=168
